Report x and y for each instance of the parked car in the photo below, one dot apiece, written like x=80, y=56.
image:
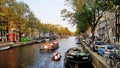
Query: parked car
x=96, y=44
x=88, y=40
x=76, y=55
x=83, y=40
x=38, y=40
x=53, y=37
x=106, y=49
x=78, y=41
x=49, y=47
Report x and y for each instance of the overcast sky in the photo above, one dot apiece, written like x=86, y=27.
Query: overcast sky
x=48, y=11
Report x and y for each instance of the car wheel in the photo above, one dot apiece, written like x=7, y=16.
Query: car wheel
x=111, y=63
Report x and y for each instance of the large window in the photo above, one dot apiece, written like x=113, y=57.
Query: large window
x=3, y=29
x=117, y=27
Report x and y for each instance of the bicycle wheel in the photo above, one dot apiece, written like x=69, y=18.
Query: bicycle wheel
x=112, y=63
x=117, y=65
x=107, y=59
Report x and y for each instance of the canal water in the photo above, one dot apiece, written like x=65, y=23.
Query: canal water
x=29, y=56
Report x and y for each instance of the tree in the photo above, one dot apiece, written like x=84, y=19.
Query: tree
x=90, y=13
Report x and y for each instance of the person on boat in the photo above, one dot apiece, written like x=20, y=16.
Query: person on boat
x=56, y=56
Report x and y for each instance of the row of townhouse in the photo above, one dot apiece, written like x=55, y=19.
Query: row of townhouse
x=108, y=29
x=9, y=31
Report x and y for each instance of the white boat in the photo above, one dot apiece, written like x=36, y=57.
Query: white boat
x=4, y=47
x=56, y=56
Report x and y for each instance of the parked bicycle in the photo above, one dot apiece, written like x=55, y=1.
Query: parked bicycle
x=113, y=60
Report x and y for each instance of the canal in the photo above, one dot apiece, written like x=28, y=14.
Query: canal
x=29, y=56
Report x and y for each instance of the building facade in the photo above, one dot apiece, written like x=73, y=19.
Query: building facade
x=8, y=30
x=109, y=27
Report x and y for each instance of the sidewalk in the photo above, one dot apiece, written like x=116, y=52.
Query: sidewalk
x=5, y=43
x=98, y=61
x=12, y=44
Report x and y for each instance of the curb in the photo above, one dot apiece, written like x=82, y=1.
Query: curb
x=17, y=44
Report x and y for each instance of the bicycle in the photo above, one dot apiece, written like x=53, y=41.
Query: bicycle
x=113, y=60
x=117, y=65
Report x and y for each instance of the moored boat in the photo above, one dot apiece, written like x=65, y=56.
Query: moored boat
x=4, y=47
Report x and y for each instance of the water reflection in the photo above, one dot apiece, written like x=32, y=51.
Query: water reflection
x=9, y=59
x=18, y=57
x=29, y=56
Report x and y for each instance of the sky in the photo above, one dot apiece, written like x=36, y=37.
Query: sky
x=48, y=11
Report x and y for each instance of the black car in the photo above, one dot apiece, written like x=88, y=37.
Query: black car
x=76, y=55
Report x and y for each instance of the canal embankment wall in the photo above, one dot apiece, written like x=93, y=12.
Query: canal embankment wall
x=11, y=44
x=22, y=43
x=97, y=60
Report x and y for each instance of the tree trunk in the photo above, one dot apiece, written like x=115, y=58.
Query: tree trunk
x=93, y=36
x=39, y=32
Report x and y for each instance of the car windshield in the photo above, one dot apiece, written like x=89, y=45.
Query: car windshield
x=112, y=47
x=99, y=43
x=101, y=48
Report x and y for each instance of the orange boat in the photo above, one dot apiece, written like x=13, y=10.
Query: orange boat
x=55, y=43
x=47, y=47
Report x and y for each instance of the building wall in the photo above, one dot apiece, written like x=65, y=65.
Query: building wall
x=111, y=27
x=12, y=29
x=3, y=29
x=106, y=28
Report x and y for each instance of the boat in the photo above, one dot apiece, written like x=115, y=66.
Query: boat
x=4, y=47
x=56, y=56
x=76, y=56
x=47, y=47
x=55, y=43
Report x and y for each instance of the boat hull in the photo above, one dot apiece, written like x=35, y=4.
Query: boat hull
x=4, y=47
